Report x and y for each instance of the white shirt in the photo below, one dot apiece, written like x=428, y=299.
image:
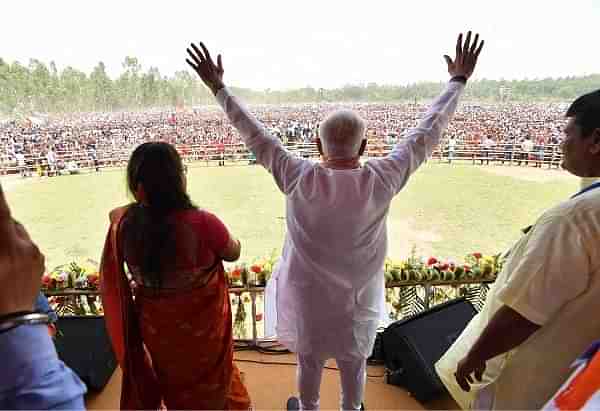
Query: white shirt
x=451, y=144
x=488, y=143
x=72, y=166
x=329, y=280
x=552, y=278
x=527, y=146
x=20, y=159
x=51, y=157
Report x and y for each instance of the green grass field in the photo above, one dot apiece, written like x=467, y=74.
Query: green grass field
x=446, y=210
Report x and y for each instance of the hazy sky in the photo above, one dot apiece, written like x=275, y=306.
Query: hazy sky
x=283, y=44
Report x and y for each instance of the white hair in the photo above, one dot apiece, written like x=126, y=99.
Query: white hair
x=342, y=133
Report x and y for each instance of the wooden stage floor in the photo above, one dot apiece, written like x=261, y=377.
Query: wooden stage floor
x=271, y=384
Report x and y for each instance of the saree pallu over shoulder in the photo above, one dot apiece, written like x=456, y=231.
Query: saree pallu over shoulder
x=140, y=389
x=174, y=346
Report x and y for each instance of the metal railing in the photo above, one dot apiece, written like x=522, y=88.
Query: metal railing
x=403, y=299
x=548, y=155
x=201, y=154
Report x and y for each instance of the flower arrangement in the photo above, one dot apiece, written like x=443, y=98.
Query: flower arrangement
x=82, y=275
x=476, y=267
x=254, y=275
x=237, y=276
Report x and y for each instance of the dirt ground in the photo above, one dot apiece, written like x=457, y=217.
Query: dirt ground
x=402, y=246
x=541, y=175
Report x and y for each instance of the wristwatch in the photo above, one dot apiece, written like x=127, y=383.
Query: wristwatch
x=8, y=322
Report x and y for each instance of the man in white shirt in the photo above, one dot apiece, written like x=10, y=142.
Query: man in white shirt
x=488, y=148
x=526, y=149
x=21, y=164
x=51, y=158
x=542, y=311
x=329, y=280
x=72, y=167
x=451, y=148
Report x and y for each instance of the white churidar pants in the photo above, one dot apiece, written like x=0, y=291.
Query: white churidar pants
x=353, y=373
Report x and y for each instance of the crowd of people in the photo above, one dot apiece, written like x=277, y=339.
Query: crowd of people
x=512, y=133
x=328, y=285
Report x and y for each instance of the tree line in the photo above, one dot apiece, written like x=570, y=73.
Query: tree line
x=38, y=87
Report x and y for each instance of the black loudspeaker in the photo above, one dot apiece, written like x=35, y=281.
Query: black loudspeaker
x=83, y=344
x=412, y=346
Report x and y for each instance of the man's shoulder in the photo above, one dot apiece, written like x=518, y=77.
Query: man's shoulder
x=586, y=204
x=582, y=209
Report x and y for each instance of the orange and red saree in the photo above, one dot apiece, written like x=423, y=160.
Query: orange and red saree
x=174, y=347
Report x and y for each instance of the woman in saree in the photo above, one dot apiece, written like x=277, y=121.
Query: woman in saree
x=171, y=331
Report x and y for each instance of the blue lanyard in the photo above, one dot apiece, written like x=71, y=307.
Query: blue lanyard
x=588, y=188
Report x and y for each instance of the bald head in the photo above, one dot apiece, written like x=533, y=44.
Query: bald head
x=342, y=133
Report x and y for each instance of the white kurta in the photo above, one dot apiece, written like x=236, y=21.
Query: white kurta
x=329, y=280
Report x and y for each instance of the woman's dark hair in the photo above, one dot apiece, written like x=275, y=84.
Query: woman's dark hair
x=586, y=110
x=147, y=232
